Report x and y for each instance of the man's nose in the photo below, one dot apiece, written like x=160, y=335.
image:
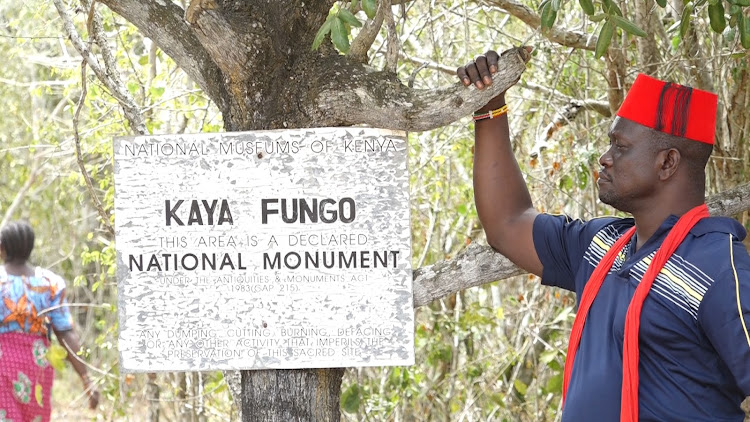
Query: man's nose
x=606, y=159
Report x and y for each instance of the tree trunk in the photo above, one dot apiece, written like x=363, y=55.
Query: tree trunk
x=305, y=395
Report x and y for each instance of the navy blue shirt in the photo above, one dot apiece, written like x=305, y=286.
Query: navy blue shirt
x=694, y=350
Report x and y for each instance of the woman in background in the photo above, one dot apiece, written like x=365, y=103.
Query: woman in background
x=32, y=299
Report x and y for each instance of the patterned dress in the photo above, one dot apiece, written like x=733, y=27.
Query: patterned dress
x=28, y=306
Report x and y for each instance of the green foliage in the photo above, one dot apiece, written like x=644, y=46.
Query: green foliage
x=56, y=356
x=340, y=34
x=687, y=13
x=339, y=23
x=743, y=23
x=715, y=10
x=548, y=13
x=351, y=399
x=370, y=7
x=587, y=6
x=716, y=17
x=628, y=26
x=605, y=37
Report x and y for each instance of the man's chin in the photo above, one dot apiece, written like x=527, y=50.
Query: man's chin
x=613, y=202
x=604, y=198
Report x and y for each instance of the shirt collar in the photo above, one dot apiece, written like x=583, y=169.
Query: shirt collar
x=706, y=225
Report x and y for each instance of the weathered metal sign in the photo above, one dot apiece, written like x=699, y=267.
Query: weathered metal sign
x=267, y=249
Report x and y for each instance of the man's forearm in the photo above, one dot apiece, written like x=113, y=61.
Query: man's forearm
x=500, y=190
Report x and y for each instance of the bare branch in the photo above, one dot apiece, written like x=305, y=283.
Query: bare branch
x=114, y=85
x=601, y=107
x=476, y=265
x=79, y=156
x=648, y=50
x=479, y=264
x=616, y=72
x=391, y=54
x=375, y=99
x=555, y=34
x=429, y=64
x=162, y=22
x=730, y=202
x=96, y=32
x=562, y=118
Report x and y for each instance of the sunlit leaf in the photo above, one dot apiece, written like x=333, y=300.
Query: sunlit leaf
x=716, y=17
x=554, y=384
x=628, y=26
x=346, y=16
x=605, y=37
x=587, y=6
x=520, y=386
x=322, y=32
x=56, y=356
x=548, y=16
x=548, y=356
x=687, y=12
x=370, y=7
x=339, y=35
x=743, y=25
x=598, y=17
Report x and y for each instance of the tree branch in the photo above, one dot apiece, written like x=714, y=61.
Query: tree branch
x=474, y=266
x=79, y=156
x=730, y=202
x=162, y=22
x=362, y=43
x=562, y=118
x=479, y=264
x=601, y=107
x=378, y=100
x=648, y=50
x=218, y=38
x=394, y=46
x=105, y=74
x=554, y=34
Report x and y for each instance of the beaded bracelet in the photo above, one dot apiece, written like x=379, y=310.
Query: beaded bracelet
x=491, y=114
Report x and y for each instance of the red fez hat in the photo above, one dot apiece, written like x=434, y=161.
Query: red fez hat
x=671, y=108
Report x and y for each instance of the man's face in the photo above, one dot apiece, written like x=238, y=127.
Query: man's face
x=629, y=173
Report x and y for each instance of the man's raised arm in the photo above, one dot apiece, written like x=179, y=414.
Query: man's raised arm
x=502, y=198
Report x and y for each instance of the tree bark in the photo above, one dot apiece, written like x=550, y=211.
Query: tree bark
x=648, y=50
x=307, y=395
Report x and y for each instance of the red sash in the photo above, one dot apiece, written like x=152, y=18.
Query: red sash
x=629, y=405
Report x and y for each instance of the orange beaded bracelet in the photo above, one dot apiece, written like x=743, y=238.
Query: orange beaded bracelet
x=491, y=114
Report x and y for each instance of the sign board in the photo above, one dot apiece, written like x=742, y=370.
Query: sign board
x=268, y=249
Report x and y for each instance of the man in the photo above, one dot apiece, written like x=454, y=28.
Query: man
x=661, y=333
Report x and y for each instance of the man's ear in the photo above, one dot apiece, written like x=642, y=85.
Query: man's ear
x=668, y=160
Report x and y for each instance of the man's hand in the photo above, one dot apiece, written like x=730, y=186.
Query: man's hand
x=93, y=399
x=479, y=73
